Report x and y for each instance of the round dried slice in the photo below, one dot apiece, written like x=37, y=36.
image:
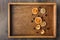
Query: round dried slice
x=35, y=10
x=42, y=10
x=38, y=20
x=43, y=24
x=42, y=31
x=37, y=27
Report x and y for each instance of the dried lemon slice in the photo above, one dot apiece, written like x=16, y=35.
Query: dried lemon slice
x=42, y=31
x=42, y=10
x=43, y=24
x=35, y=10
x=38, y=20
x=37, y=27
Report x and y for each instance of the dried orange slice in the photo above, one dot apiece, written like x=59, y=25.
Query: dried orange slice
x=43, y=24
x=38, y=20
x=35, y=10
x=42, y=10
x=37, y=27
x=42, y=31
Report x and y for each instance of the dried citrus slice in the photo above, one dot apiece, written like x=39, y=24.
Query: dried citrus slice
x=42, y=31
x=42, y=10
x=38, y=20
x=35, y=10
x=37, y=27
x=43, y=24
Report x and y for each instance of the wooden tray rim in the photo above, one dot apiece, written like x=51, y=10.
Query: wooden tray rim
x=32, y=36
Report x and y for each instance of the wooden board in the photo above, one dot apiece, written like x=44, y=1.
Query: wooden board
x=21, y=26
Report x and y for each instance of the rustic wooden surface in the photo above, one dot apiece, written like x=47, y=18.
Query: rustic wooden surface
x=3, y=19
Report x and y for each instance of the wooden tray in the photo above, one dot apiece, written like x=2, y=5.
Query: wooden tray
x=20, y=24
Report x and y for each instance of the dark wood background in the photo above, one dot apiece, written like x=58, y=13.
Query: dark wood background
x=4, y=17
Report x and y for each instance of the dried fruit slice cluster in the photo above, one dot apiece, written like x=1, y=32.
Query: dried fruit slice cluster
x=38, y=20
